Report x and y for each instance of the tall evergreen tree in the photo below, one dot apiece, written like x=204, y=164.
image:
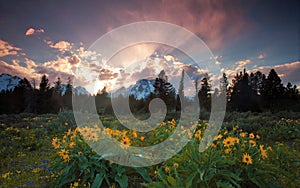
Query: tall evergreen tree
x=57, y=100
x=204, y=93
x=44, y=96
x=67, y=98
x=242, y=94
x=164, y=90
x=180, y=94
x=44, y=84
x=273, y=90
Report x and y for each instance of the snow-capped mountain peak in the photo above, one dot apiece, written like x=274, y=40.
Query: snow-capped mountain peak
x=141, y=90
x=79, y=90
x=8, y=82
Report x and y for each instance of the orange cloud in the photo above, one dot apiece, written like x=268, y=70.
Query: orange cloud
x=62, y=46
x=32, y=31
x=288, y=72
x=242, y=64
x=8, y=49
x=16, y=69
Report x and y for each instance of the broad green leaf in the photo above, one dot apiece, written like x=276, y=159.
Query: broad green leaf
x=123, y=180
x=97, y=181
x=143, y=172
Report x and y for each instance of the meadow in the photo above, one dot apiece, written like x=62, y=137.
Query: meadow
x=251, y=150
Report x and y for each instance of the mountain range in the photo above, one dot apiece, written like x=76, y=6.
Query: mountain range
x=9, y=83
x=141, y=90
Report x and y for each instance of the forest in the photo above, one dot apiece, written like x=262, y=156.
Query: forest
x=254, y=92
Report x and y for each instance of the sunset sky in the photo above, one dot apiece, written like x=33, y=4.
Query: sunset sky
x=52, y=37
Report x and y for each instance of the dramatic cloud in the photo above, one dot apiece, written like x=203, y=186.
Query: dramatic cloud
x=8, y=49
x=106, y=74
x=32, y=31
x=288, y=72
x=242, y=64
x=214, y=21
x=14, y=68
x=61, y=46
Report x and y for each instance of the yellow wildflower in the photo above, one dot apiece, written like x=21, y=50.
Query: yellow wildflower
x=270, y=148
x=94, y=136
x=175, y=165
x=263, y=152
x=72, y=144
x=6, y=175
x=162, y=124
x=55, y=143
x=251, y=135
x=252, y=142
x=142, y=138
x=69, y=132
x=198, y=134
x=64, y=154
x=126, y=141
x=124, y=134
x=247, y=159
x=75, y=184
x=218, y=137
x=134, y=134
x=243, y=134
x=229, y=141
x=227, y=150
x=85, y=131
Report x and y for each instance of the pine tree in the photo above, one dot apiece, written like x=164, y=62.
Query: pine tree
x=164, y=90
x=224, y=86
x=44, y=84
x=242, y=95
x=67, y=98
x=273, y=88
x=44, y=96
x=204, y=93
x=57, y=100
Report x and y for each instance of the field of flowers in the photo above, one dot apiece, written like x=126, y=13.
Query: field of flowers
x=257, y=150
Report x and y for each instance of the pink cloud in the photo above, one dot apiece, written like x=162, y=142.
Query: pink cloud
x=8, y=49
x=288, y=72
x=61, y=46
x=16, y=69
x=214, y=21
x=32, y=31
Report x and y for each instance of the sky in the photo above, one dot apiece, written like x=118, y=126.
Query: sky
x=53, y=37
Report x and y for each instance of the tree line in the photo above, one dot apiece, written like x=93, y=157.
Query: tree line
x=254, y=92
x=28, y=99
x=246, y=92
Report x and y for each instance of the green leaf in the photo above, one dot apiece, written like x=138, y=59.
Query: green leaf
x=190, y=179
x=172, y=181
x=97, y=181
x=123, y=180
x=144, y=173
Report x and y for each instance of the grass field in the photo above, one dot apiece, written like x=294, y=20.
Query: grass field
x=251, y=150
